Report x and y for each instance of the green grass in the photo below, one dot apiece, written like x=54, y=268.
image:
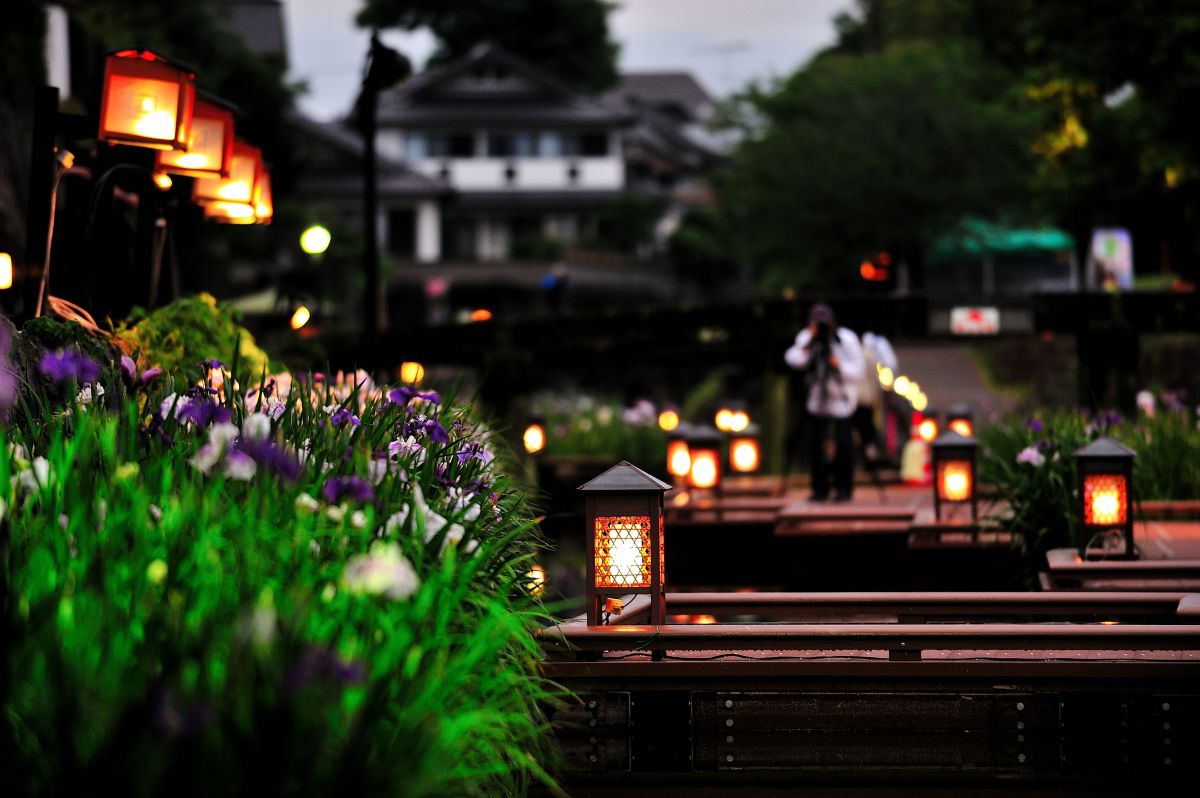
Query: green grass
x=171, y=631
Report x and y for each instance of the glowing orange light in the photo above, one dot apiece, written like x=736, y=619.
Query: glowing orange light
x=743, y=454
x=264, y=205
x=162, y=180
x=481, y=314
x=233, y=198
x=738, y=421
x=534, y=438
x=6, y=271
x=723, y=418
x=668, y=420
x=954, y=481
x=705, y=471
x=1105, y=499
x=148, y=101
x=622, y=551
x=210, y=145
x=963, y=427
x=300, y=317
x=867, y=270
x=679, y=460
x=927, y=430
x=536, y=579
x=411, y=371
x=703, y=619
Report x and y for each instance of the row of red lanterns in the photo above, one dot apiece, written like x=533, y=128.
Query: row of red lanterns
x=150, y=101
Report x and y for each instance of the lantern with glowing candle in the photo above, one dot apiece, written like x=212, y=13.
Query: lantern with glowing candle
x=960, y=419
x=6, y=271
x=704, y=451
x=954, y=482
x=744, y=453
x=232, y=199
x=210, y=144
x=264, y=204
x=534, y=437
x=1105, y=470
x=723, y=417
x=679, y=460
x=927, y=427
x=623, y=509
x=148, y=101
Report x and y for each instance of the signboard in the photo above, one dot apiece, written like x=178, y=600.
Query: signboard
x=974, y=321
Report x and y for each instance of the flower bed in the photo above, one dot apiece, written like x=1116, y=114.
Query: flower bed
x=298, y=589
x=580, y=425
x=1031, y=465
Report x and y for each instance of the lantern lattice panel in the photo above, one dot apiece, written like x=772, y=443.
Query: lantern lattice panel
x=1105, y=499
x=623, y=551
x=954, y=480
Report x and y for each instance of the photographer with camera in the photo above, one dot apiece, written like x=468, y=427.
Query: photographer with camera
x=833, y=362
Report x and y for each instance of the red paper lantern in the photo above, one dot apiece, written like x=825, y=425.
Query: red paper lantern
x=148, y=101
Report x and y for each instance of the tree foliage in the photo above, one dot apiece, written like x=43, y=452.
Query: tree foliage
x=568, y=38
x=885, y=150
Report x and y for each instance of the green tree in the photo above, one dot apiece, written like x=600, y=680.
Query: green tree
x=568, y=38
x=887, y=150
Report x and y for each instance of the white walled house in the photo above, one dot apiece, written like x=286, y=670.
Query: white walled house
x=527, y=158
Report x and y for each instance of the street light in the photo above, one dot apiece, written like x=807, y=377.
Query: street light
x=954, y=472
x=148, y=101
x=624, y=511
x=315, y=240
x=1105, y=470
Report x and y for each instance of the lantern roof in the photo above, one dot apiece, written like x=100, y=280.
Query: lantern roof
x=1105, y=447
x=951, y=438
x=146, y=54
x=958, y=410
x=750, y=431
x=704, y=436
x=624, y=476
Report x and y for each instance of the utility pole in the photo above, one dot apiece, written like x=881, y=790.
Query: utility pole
x=385, y=67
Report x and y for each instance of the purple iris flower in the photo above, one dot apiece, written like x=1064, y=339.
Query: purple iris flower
x=271, y=457
x=150, y=374
x=439, y=476
x=421, y=425
x=202, y=412
x=319, y=664
x=211, y=364
x=1035, y=425
x=474, y=451
x=405, y=394
x=344, y=416
x=62, y=365
x=351, y=487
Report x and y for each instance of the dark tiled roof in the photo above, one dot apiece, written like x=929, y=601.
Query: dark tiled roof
x=663, y=89
x=528, y=95
x=519, y=199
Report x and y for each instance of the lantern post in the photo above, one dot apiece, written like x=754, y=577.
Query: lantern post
x=623, y=508
x=1105, y=472
x=704, y=450
x=744, y=450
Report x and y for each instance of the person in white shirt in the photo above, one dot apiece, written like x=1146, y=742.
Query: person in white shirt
x=833, y=362
x=876, y=350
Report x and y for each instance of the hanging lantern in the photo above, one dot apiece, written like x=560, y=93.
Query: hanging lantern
x=960, y=419
x=264, y=205
x=210, y=144
x=744, y=453
x=1105, y=470
x=623, y=508
x=954, y=472
x=232, y=198
x=148, y=101
x=704, y=450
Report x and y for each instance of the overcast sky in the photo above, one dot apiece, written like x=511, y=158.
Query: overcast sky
x=725, y=43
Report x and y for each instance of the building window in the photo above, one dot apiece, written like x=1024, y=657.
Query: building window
x=416, y=145
x=512, y=145
x=449, y=145
x=401, y=232
x=588, y=145
x=459, y=239
x=550, y=144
